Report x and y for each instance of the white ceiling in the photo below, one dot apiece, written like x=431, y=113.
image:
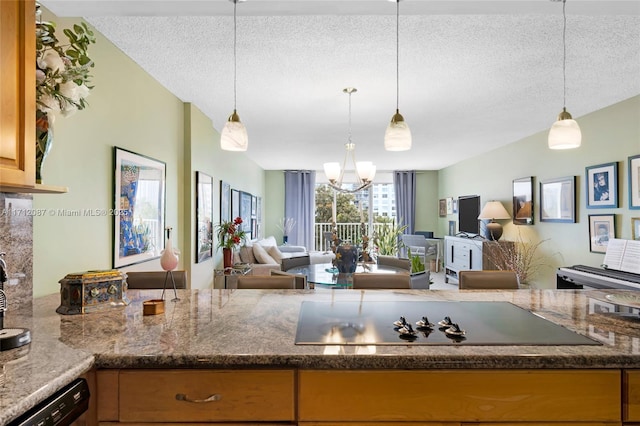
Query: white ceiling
x=474, y=75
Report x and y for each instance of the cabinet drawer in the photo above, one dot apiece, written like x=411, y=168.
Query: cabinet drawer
x=459, y=395
x=151, y=395
x=631, y=399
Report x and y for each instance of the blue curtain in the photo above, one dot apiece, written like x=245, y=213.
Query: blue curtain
x=299, y=203
x=404, y=185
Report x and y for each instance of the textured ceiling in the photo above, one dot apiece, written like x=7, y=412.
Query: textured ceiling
x=474, y=75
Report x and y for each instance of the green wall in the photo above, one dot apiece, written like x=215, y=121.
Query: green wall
x=609, y=135
x=130, y=110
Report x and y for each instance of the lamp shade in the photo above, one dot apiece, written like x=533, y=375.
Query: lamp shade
x=565, y=134
x=332, y=170
x=234, y=135
x=494, y=210
x=398, y=135
x=366, y=170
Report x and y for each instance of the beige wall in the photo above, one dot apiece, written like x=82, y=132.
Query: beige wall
x=609, y=135
x=130, y=110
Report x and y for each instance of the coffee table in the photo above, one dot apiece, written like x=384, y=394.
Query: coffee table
x=321, y=273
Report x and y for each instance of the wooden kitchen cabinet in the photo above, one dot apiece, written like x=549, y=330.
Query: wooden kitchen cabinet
x=18, y=99
x=514, y=396
x=631, y=395
x=167, y=396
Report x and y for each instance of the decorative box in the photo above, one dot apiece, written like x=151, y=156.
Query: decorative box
x=88, y=291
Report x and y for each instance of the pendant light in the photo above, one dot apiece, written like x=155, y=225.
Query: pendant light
x=234, y=135
x=564, y=133
x=365, y=170
x=398, y=136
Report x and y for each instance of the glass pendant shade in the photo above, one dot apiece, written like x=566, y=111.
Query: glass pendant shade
x=398, y=135
x=565, y=133
x=332, y=170
x=234, y=135
x=366, y=171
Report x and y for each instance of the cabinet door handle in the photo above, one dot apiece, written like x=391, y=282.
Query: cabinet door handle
x=212, y=398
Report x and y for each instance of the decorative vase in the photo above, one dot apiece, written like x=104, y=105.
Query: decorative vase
x=285, y=239
x=169, y=258
x=227, y=257
x=346, y=258
x=44, y=140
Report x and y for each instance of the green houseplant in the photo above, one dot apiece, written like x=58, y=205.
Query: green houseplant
x=387, y=238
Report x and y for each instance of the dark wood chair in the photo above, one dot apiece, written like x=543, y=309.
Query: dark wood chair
x=291, y=262
x=396, y=262
x=373, y=280
x=266, y=282
x=301, y=279
x=470, y=280
x=155, y=279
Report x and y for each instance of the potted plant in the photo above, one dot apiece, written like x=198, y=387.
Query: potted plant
x=387, y=238
x=419, y=274
x=230, y=235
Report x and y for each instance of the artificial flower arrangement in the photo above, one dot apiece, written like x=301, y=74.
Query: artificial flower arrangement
x=62, y=70
x=230, y=233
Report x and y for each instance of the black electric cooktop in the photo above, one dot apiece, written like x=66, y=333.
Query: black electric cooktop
x=484, y=323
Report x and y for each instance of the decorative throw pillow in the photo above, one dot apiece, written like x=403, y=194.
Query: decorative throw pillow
x=246, y=254
x=275, y=253
x=261, y=254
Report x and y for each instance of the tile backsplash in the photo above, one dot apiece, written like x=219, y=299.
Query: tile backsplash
x=16, y=240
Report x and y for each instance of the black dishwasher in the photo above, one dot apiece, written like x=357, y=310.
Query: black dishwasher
x=60, y=409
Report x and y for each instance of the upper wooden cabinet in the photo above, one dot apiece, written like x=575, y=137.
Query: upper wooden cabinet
x=18, y=98
x=17, y=93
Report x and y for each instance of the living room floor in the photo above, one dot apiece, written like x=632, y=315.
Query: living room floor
x=438, y=282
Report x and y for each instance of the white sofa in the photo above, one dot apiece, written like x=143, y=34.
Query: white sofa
x=265, y=255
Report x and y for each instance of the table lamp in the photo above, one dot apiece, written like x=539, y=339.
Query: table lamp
x=494, y=210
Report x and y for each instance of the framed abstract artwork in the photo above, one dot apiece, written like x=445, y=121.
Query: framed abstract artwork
x=602, y=186
x=634, y=182
x=235, y=203
x=204, y=217
x=245, y=212
x=225, y=201
x=442, y=207
x=523, y=201
x=558, y=200
x=139, y=208
x=602, y=228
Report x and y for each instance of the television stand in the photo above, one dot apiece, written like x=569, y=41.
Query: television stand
x=467, y=254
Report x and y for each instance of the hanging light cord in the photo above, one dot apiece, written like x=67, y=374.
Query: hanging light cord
x=235, y=4
x=397, y=54
x=564, y=55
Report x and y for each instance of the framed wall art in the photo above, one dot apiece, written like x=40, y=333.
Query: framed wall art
x=139, y=208
x=225, y=202
x=449, y=205
x=245, y=212
x=442, y=208
x=235, y=203
x=558, y=200
x=634, y=182
x=635, y=228
x=602, y=186
x=602, y=228
x=523, y=201
x=204, y=217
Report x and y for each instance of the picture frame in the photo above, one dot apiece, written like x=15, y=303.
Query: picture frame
x=245, y=212
x=455, y=205
x=450, y=205
x=254, y=206
x=558, y=200
x=634, y=182
x=602, y=228
x=442, y=208
x=225, y=201
x=204, y=217
x=635, y=228
x=139, y=199
x=235, y=204
x=523, y=206
x=602, y=185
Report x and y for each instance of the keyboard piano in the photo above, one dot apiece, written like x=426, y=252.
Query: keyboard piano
x=578, y=276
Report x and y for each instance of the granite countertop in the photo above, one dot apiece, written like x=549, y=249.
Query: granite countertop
x=256, y=328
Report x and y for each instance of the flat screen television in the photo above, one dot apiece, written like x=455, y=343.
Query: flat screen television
x=468, y=212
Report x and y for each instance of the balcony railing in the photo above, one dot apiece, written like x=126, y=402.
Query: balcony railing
x=346, y=232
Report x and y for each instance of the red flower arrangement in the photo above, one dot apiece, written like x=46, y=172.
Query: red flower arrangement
x=230, y=233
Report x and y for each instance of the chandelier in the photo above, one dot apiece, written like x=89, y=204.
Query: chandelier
x=365, y=170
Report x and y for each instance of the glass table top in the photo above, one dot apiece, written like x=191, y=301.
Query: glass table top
x=325, y=274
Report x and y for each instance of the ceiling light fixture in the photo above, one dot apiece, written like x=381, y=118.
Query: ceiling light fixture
x=234, y=134
x=365, y=170
x=564, y=133
x=398, y=136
